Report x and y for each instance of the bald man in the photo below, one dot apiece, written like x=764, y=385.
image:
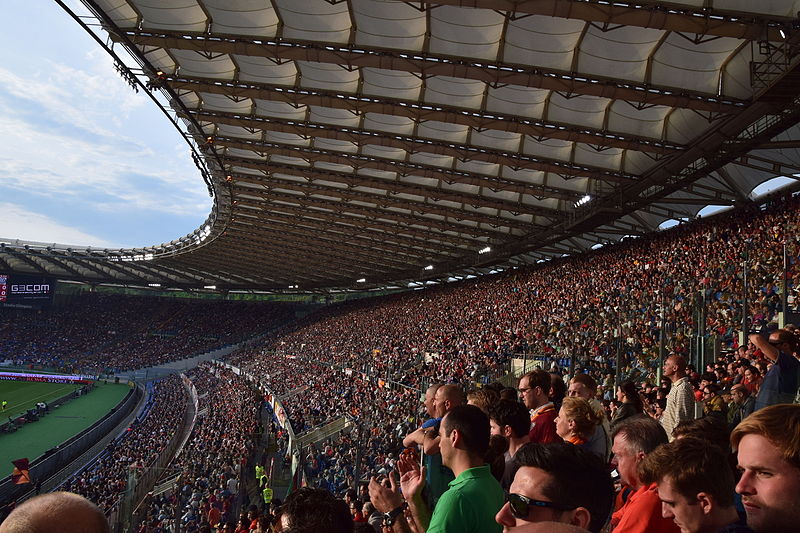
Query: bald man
x=680, y=400
x=64, y=512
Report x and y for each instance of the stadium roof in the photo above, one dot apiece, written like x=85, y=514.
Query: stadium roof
x=391, y=142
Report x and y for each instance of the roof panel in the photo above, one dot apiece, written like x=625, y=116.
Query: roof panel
x=195, y=64
x=463, y=32
x=315, y=20
x=265, y=70
x=681, y=63
x=243, y=17
x=453, y=91
x=389, y=25
x=394, y=84
x=515, y=100
x=623, y=51
x=544, y=41
x=182, y=15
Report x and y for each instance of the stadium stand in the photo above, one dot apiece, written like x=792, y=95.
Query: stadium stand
x=104, y=333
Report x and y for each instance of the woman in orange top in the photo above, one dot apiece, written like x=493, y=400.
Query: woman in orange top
x=577, y=420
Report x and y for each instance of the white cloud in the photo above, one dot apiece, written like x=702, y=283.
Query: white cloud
x=63, y=161
x=29, y=226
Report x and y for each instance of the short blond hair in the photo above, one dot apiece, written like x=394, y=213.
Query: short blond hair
x=779, y=424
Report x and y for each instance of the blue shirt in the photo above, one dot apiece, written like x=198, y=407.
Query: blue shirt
x=780, y=382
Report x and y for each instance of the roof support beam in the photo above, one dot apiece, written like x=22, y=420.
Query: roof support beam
x=430, y=65
x=353, y=236
x=421, y=112
x=449, y=214
x=53, y=259
x=403, y=168
x=128, y=275
x=726, y=180
x=393, y=186
x=369, y=224
x=655, y=15
x=373, y=228
x=779, y=168
x=370, y=211
x=312, y=242
x=309, y=258
x=779, y=145
x=410, y=144
x=192, y=262
x=270, y=264
x=25, y=258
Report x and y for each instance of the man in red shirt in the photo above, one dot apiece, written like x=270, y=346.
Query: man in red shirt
x=533, y=391
x=633, y=439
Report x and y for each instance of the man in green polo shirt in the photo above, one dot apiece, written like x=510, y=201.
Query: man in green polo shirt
x=473, y=497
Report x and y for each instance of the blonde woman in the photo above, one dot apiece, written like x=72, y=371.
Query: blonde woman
x=577, y=421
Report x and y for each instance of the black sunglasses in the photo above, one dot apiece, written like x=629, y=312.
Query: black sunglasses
x=521, y=505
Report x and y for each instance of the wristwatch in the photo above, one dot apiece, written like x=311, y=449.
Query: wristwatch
x=390, y=517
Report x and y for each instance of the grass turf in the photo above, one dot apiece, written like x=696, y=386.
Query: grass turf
x=35, y=438
x=24, y=395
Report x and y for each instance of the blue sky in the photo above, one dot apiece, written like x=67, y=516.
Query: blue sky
x=84, y=159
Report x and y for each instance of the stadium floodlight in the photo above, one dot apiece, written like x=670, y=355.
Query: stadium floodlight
x=212, y=287
x=485, y=250
x=153, y=284
x=429, y=267
x=361, y=280
x=583, y=201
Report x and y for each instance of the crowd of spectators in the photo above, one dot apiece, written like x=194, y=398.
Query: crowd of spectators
x=104, y=481
x=349, y=359
x=703, y=476
x=210, y=464
x=108, y=333
x=370, y=360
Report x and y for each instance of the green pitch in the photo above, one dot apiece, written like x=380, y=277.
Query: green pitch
x=33, y=439
x=24, y=395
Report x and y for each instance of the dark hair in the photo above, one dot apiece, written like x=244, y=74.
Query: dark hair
x=538, y=378
x=578, y=478
x=587, y=381
x=509, y=394
x=558, y=387
x=711, y=429
x=513, y=414
x=308, y=509
x=644, y=434
x=473, y=426
x=784, y=335
x=631, y=393
x=693, y=467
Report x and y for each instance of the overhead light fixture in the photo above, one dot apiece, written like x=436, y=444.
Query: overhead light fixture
x=485, y=250
x=361, y=280
x=782, y=33
x=153, y=284
x=429, y=267
x=583, y=201
x=212, y=287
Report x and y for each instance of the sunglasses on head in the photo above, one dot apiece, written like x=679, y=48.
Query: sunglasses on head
x=521, y=505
